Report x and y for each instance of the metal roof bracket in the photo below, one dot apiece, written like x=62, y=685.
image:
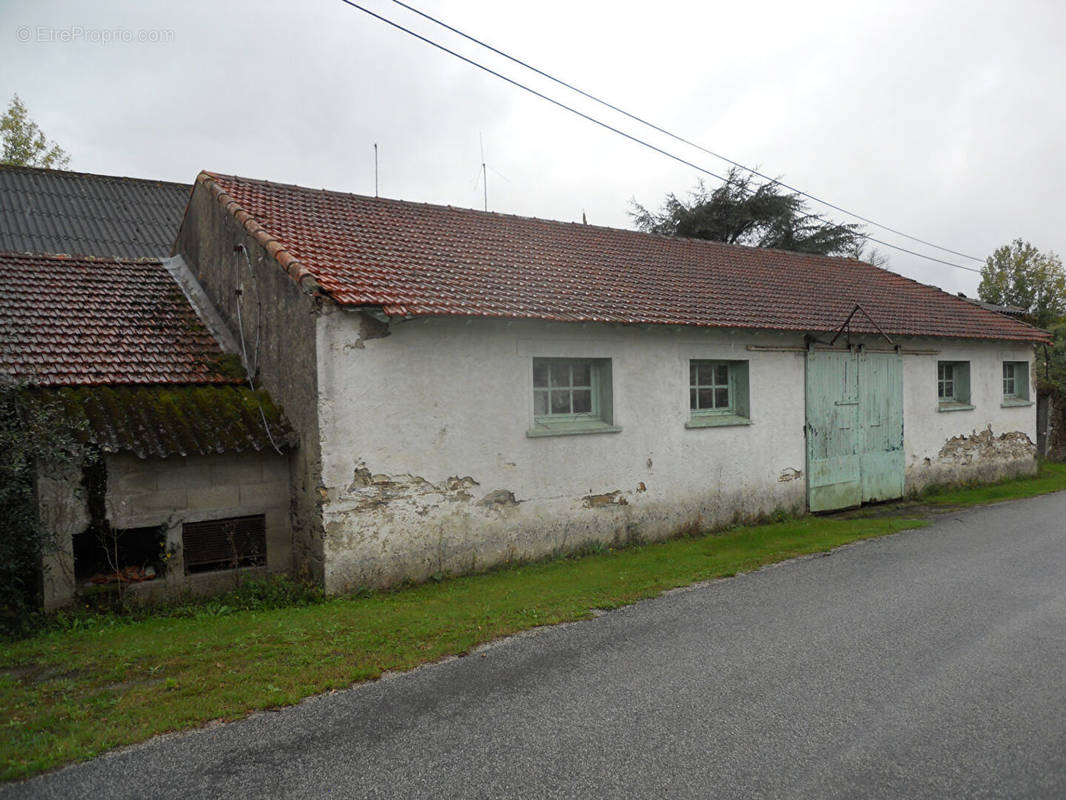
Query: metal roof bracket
x=846, y=327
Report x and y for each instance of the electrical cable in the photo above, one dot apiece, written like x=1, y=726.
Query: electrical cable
x=609, y=127
x=681, y=139
x=239, y=291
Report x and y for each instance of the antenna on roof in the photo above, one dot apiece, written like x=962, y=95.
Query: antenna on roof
x=375, y=169
x=484, y=171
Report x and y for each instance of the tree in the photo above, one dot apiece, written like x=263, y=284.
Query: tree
x=743, y=212
x=1018, y=274
x=24, y=144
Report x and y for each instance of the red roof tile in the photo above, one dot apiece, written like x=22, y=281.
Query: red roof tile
x=83, y=321
x=416, y=259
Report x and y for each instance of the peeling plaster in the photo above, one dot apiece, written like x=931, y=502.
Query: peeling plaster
x=789, y=474
x=614, y=498
x=374, y=490
x=975, y=457
x=986, y=445
x=499, y=497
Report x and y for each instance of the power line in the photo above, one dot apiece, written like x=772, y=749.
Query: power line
x=676, y=137
x=605, y=125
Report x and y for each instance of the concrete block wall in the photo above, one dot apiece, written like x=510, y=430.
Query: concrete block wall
x=168, y=493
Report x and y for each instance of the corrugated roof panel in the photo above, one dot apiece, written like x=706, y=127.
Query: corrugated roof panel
x=56, y=211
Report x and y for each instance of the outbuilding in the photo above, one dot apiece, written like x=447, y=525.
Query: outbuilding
x=473, y=388
x=183, y=483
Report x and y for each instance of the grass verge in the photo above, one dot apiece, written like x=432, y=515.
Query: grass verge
x=71, y=694
x=1051, y=477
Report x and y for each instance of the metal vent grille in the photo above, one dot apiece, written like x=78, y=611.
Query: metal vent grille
x=224, y=543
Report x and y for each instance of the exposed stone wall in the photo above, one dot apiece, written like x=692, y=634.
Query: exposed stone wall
x=979, y=457
x=166, y=493
x=280, y=315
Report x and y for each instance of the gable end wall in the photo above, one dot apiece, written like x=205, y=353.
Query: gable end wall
x=275, y=311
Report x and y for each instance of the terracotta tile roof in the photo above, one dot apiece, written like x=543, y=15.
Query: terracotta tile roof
x=415, y=259
x=160, y=421
x=57, y=211
x=82, y=321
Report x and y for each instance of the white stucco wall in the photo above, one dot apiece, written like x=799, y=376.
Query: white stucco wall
x=424, y=435
x=444, y=398
x=935, y=454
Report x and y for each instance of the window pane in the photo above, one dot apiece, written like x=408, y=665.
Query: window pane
x=721, y=374
x=582, y=401
x=582, y=374
x=706, y=373
x=721, y=398
x=706, y=398
x=692, y=399
x=693, y=373
x=560, y=401
x=540, y=403
x=540, y=373
x=560, y=375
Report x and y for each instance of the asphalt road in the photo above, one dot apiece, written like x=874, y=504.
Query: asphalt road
x=927, y=664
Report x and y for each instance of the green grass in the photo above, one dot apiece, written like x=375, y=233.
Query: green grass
x=1051, y=477
x=69, y=695
x=105, y=681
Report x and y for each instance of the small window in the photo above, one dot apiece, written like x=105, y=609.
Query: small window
x=224, y=544
x=953, y=385
x=1015, y=383
x=571, y=395
x=124, y=555
x=717, y=393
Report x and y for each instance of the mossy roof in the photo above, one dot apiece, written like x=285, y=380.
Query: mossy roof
x=161, y=421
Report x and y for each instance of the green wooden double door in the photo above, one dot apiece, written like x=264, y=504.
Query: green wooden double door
x=854, y=427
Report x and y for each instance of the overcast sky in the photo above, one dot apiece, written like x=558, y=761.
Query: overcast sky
x=944, y=120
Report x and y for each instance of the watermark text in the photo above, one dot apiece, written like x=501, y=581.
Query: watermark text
x=79, y=33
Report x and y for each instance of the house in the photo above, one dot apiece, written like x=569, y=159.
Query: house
x=57, y=211
x=472, y=388
x=190, y=483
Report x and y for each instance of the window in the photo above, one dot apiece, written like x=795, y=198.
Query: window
x=717, y=393
x=224, y=544
x=953, y=385
x=572, y=395
x=1016, y=383
x=123, y=555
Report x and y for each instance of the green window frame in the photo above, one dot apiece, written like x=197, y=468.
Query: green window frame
x=572, y=396
x=718, y=393
x=953, y=386
x=1016, y=383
